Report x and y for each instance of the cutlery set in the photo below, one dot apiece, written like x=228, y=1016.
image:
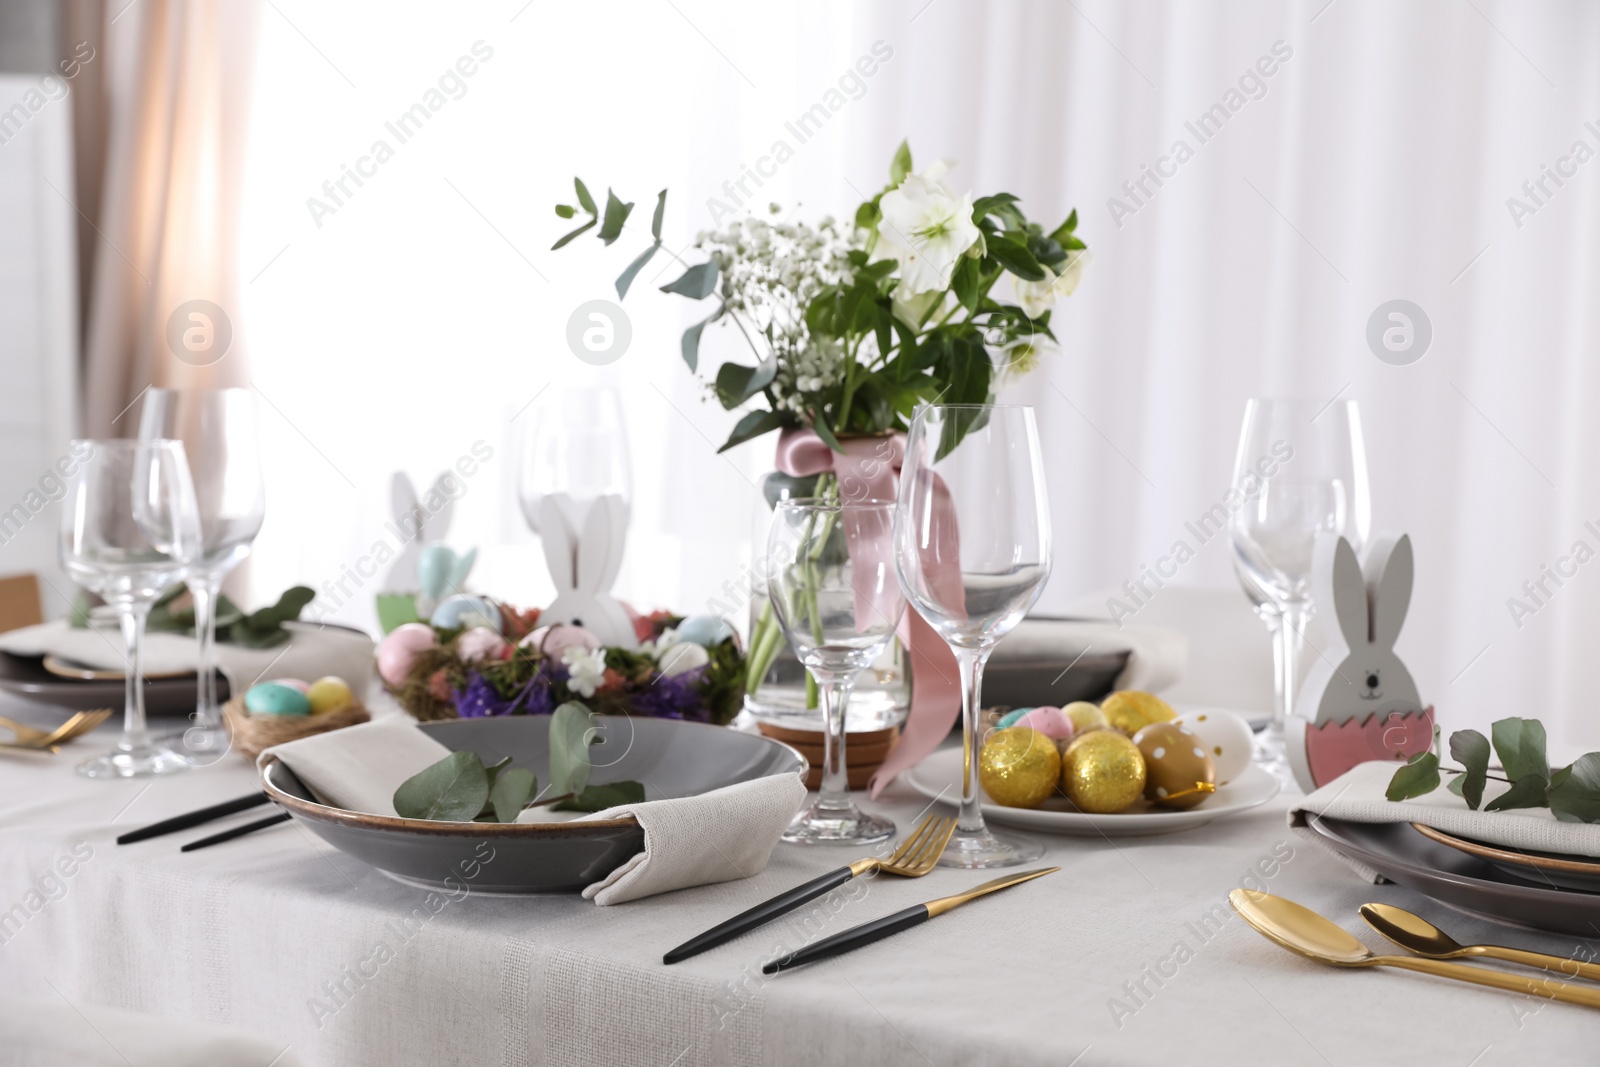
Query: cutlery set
x=1306, y=933
x=30, y=739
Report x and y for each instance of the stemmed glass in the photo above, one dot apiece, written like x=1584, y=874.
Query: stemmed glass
x=1301, y=470
x=972, y=548
x=129, y=529
x=218, y=428
x=834, y=592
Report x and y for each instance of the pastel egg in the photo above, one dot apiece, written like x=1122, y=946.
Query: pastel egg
x=1227, y=737
x=1085, y=716
x=1052, y=722
x=1131, y=711
x=399, y=650
x=1177, y=768
x=1012, y=717
x=271, y=698
x=707, y=631
x=558, y=637
x=465, y=611
x=292, y=683
x=330, y=693
x=480, y=643
x=682, y=657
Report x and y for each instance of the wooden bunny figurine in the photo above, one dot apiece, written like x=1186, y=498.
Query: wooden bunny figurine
x=583, y=565
x=1358, y=702
x=417, y=523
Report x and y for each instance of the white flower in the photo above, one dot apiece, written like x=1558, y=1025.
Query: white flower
x=586, y=669
x=927, y=229
x=1036, y=298
x=681, y=657
x=668, y=638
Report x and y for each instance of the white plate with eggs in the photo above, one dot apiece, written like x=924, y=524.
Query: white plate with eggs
x=1240, y=788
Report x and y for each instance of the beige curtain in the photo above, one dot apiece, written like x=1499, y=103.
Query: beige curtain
x=163, y=137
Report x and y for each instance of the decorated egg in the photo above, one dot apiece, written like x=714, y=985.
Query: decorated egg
x=706, y=631
x=480, y=643
x=272, y=698
x=1052, y=722
x=1085, y=716
x=1131, y=711
x=1102, y=772
x=329, y=694
x=398, y=651
x=465, y=611
x=681, y=657
x=292, y=683
x=1019, y=767
x=558, y=637
x=1011, y=718
x=1178, y=771
x=1227, y=737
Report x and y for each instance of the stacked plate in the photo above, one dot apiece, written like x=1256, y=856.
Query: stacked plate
x=1532, y=890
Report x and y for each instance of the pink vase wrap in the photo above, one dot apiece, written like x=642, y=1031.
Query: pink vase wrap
x=868, y=469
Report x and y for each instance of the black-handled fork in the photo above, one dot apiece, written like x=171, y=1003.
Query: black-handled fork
x=915, y=857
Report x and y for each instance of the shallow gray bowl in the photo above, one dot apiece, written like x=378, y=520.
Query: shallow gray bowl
x=671, y=758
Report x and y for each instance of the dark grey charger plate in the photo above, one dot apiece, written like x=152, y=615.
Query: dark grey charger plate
x=25, y=676
x=1460, y=881
x=672, y=759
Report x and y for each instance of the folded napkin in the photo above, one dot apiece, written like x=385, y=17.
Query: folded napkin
x=1357, y=796
x=714, y=837
x=311, y=652
x=358, y=768
x=1157, y=655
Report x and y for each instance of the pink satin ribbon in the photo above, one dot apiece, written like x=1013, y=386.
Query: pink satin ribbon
x=868, y=470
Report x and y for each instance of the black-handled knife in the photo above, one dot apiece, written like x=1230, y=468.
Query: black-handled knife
x=767, y=910
x=194, y=818
x=878, y=929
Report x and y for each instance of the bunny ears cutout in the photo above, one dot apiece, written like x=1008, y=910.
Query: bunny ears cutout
x=1370, y=603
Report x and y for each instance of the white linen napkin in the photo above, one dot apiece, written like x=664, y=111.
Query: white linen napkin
x=1357, y=796
x=714, y=837
x=358, y=768
x=718, y=836
x=1157, y=655
x=311, y=652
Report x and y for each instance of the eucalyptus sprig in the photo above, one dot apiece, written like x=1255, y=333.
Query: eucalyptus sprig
x=461, y=788
x=1572, y=793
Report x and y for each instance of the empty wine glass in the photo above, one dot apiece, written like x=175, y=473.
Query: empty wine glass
x=129, y=529
x=972, y=541
x=576, y=445
x=833, y=589
x=1301, y=470
x=218, y=429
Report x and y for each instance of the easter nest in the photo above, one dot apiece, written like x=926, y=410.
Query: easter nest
x=252, y=734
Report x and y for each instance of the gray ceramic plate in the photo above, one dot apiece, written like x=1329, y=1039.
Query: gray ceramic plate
x=1460, y=881
x=672, y=759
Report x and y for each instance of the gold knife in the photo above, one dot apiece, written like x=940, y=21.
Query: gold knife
x=878, y=929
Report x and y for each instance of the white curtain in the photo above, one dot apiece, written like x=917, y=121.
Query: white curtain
x=1374, y=162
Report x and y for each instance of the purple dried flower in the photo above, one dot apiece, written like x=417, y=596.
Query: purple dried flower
x=676, y=697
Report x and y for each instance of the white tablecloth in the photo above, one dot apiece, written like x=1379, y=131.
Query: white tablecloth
x=1129, y=955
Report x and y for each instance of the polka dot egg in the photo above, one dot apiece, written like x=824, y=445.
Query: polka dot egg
x=1227, y=737
x=1177, y=767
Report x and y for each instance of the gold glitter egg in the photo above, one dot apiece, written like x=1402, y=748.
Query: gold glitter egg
x=1131, y=711
x=1085, y=716
x=1179, y=772
x=1019, y=767
x=1102, y=772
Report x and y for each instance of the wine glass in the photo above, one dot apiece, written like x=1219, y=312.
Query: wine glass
x=1301, y=470
x=218, y=429
x=130, y=528
x=833, y=590
x=576, y=445
x=972, y=548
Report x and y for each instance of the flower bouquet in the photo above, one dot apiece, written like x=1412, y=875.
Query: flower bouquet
x=484, y=658
x=923, y=295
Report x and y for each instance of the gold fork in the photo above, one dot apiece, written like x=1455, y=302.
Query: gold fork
x=916, y=856
x=80, y=724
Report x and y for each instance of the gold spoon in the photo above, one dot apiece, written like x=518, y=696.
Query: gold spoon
x=1303, y=931
x=1416, y=934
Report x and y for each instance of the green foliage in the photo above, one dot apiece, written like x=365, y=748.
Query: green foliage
x=570, y=734
x=1572, y=793
x=174, y=613
x=453, y=790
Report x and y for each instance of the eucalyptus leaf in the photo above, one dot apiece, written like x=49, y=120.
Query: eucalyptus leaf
x=570, y=731
x=452, y=790
x=1520, y=744
x=575, y=233
x=655, y=220
x=264, y=628
x=753, y=425
x=737, y=383
x=1470, y=749
x=625, y=279
x=777, y=485
x=696, y=283
x=616, y=218
x=566, y=211
x=600, y=797
x=583, y=196
x=512, y=790
x=1575, y=790
x=691, y=340
x=1527, y=791
x=1419, y=776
